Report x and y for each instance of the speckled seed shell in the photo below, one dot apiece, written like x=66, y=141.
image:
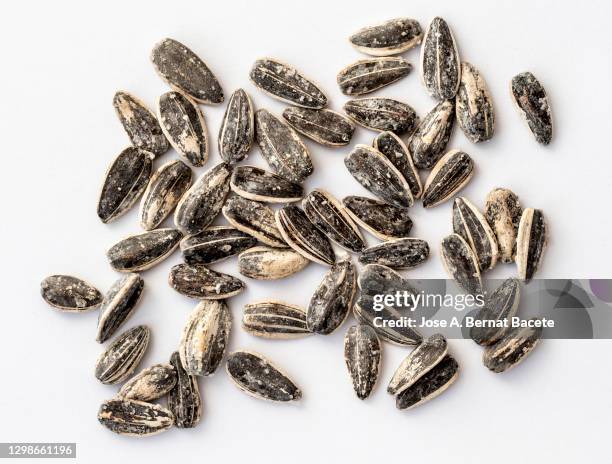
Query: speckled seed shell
x=256, y=376
x=382, y=114
x=183, y=70
x=474, y=105
x=532, y=102
x=333, y=298
x=260, y=185
x=429, y=140
x=329, y=216
x=389, y=38
x=184, y=399
x=376, y=279
x=126, y=179
x=382, y=220
x=255, y=219
x=134, y=418
x=215, y=244
x=119, y=304
x=323, y=126
x=365, y=76
x=149, y=384
x=281, y=147
x=375, y=172
x=140, y=124
x=274, y=319
x=123, y=355
x=263, y=263
x=70, y=294
x=362, y=355
x=197, y=281
x=450, y=174
x=461, y=263
x=399, y=253
x=184, y=126
x=237, y=130
x=530, y=243
x=440, y=65
x=200, y=205
x=142, y=251
x=512, y=348
x=205, y=337
x=394, y=149
x=503, y=212
x=301, y=235
x=285, y=83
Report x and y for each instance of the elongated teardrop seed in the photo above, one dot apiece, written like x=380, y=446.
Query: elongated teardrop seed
x=197, y=281
x=382, y=114
x=474, y=105
x=134, y=418
x=121, y=358
x=532, y=102
x=461, y=263
x=388, y=38
x=382, y=220
x=142, y=251
x=440, y=65
x=264, y=263
x=119, y=304
x=323, y=126
x=215, y=244
x=274, y=319
x=237, y=130
x=255, y=219
x=429, y=140
x=366, y=76
x=450, y=174
x=70, y=294
x=184, y=399
x=260, y=185
x=362, y=354
x=503, y=212
x=512, y=348
x=394, y=149
x=400, y=253
x=149, y=384
x=530, y=243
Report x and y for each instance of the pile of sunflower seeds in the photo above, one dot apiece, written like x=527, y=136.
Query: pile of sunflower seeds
x=273, y=243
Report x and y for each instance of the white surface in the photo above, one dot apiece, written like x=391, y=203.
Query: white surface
x=61, y=65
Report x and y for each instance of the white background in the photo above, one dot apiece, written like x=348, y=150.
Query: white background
x=62, y=63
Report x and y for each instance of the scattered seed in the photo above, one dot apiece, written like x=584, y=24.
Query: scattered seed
x=70, y=294
x=362, y=354
x=440, y=65
x=450, y=174
x=399, y=253
x=377, y=217
x=382, y=114
x=197, y=281
x=149, y=384
x=461, y=263
x=215, y=244
x=134, y=418
x=260, y=185
x=263, y=263
x=376, y=279
x=394, y=149
x=474, y=105
x=273, y=319
x=429, y=140
x=503, y=212
x=237, y=130
x=530, y=243
x=254, y=219
x=512, y=348
x=184, y=399
x=119, y=304
x=532, y=102
x=142, y=251
x=388, y=38
x=323, y=126
x=123, y=355
x=366, y=76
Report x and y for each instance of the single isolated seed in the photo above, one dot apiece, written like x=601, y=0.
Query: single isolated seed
x=389, y=38
x=382, y=114
x=461, y=263
x=264, y=263
x=237, y=130
x=134, y=418
x=366, y=76
x=440, y=65
x=503, y=213
x=123, y=355
x=70, y=294
x=429, y=140
x=450, y=174
x=530, y=243
x=362, y=355
x=255, y=219
x=532, y=102
x=394, y=149
x=382, y=220
x=143, y=251
x=149, y=384
x=215, y=244
x=184, y=399
x=323, y=126
x=197, y=281
x=119, y=304
x=274, y=319
x=399, y=253
x=260, y=185
x=474, y=105
x=512, y=348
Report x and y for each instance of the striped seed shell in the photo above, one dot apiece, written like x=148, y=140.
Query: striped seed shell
x=474, y=105
x=382, y=114
x=255, y=219
x=532, y=103
x=149, y=384
x=450, y=174
x=530, y=243
x=134, y=418
x=394, y=149
x=389, y=38
x=237, y=130
x=323, y=126
x=461, y=263
x=119, y=304
x=376, y=279
x=123, y=355
x=440, y=65
x=362, y=354
x=264, y=263
x=399, y=253
x=197, y=281
x=382, y=220
x=366, y=76
x=184, y=399
x=260, y=185
x=215, y=244
x=503, y=212
x=142, y=251
x=512, y=348
x=274, y=319
x=429, y=140
x=70, y=294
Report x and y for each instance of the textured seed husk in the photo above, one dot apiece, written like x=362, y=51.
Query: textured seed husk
x=201, y=204
x=237, y=130
x=376, y=279
x=258, y=377
x=184, y=126
x=440, y=65
x=330, y=217
x=123, y=355
x=475, y=113
x=70, y=294
x=285, y=83
x=134, y=418
x=126, y=179
x=281, y=147
x=302, y=235
x=530, y=243
x=183, y=70
x=503, y=212
x=205, y=337
x=461, y=263
x=399, y=253
x=376, y=173
x=381, y=219
x=511, y=349
x=394, y=149
x=389, y=38
x=333, y=298
x=119, y=304
x=215, y=244
x=142, y=251
x=197, y=281
x=264, y=263
x=184, y=399
x=382, y=114
x=362, y=355
x=365, y=76
x=450, y=174
x=532, y=102
x=255, y=219
x=149, y=384
x=323, y=126
x=429, y=140
x=432, y=384
x=260, y=185
x=140, y=124
x=274, y=319
x=418, y=363
x=167, y=186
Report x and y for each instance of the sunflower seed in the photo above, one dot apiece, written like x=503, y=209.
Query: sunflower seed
x=119, y=304
x=379, y=218
x=461, y=263
x=123, y=355
x=205, y=337
x=394, y=149
x=450, y=174
x=70, y=294
x=184, y=399
x=532, y=102
x=142, y=251
x=323, y=126
x=503, y=212
x=281, y=147
x=366, y=76
x=215, y=244
x=273, y=319
x=440, y=65
x=149, y=384
x=382, y=114
x=303, y=236
x=237, y=130
x=260, y=185
x=197, y=281
x=512, y=348
x=530, y=243
x=285, y=83
x=256, y=376
x=200, y=205
x=474, y=105
x=389, y=38
x=430, y=138
x=376, y=279
x=134, y=418
x=263, y=263
x=400, y=253
x=362, y=354
x=183, y=70
x=184, y=125
x=126, y=179
x=254, y=219
x=375, y=172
